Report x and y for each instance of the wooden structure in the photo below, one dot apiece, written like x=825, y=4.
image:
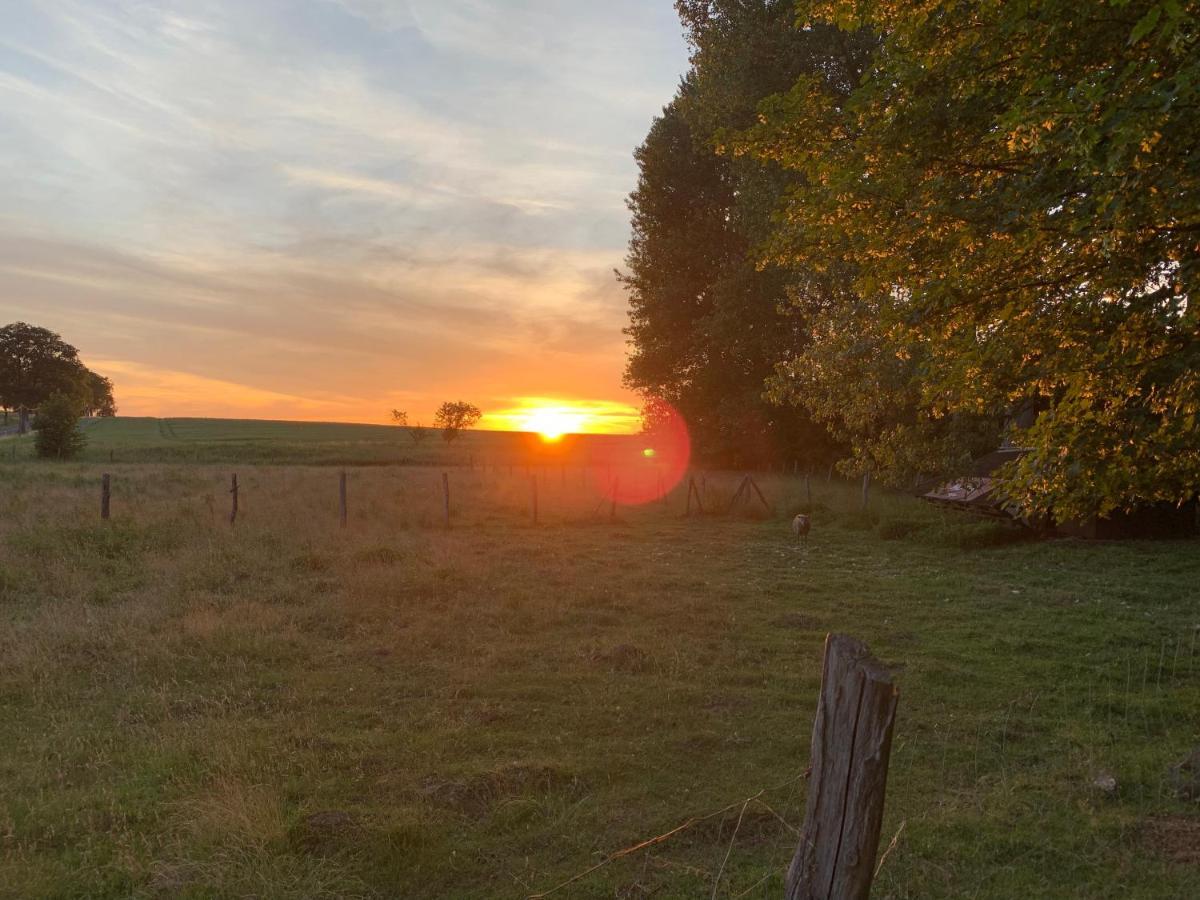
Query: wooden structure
x=851, y=746
x=742, y=495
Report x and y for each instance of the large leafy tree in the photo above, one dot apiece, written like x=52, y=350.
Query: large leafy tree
x=707, y=324
x=35, y=364
x=1012, y=190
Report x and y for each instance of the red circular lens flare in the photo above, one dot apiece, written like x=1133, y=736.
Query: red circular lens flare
x=654, y=467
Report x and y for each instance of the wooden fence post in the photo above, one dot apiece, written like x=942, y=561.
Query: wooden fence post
x=105, y=494
x=446, y=496
x=342, y=498
x=851, y=746
x=233, y=490
x=866, y=489
x=533, y=498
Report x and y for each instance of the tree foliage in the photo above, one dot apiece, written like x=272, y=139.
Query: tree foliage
x=1007, y=201
x=57, y=427
x=707, y=324
x=37, y=364
x=453, y=417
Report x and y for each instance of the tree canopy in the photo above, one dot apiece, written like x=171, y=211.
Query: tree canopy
x=37, y=364
x=972, y=210
x=453, y=417
x=1010, y=190
x=707, y=324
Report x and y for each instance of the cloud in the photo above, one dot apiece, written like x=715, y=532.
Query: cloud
x=370, y=196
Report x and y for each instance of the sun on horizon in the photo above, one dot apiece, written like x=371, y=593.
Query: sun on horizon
x=553, y=418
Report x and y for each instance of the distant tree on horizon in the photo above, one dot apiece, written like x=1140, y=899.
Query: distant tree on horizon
x=455, y=416
x=36, y=364
x=417, y=432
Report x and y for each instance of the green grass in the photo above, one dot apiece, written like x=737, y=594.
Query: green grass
x=251, y=441
x=489, y=710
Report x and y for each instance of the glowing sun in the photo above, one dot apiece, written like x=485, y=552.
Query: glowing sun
x=553, y=422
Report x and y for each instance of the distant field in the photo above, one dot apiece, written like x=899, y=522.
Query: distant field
x=285, y=708
x=248, y=441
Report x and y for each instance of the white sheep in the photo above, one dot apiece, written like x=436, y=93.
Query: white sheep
x=801, y=526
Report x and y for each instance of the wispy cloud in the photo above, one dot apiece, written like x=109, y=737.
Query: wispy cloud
x=377, y=197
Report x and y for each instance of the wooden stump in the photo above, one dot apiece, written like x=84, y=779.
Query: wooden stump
x=851, y=746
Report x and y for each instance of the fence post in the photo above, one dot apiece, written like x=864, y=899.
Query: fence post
x=105, y=494
x=342, y=498
x=446, y=496
x=851, y=746
x=533, y=498
x=866, y=489
x=233, y=490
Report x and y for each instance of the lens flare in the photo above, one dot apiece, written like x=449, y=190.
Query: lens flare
x=648, y=474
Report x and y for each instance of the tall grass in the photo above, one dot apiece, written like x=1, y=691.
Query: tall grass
x=287, y=708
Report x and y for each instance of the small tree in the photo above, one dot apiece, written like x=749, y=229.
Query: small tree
x=453, y=417
x=416, y=432
x=57, y=426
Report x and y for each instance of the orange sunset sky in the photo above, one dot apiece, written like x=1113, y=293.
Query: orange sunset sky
x=328, y=211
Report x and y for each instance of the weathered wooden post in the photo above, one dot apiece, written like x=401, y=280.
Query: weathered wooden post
x=105, y=494
x=533, y=498
x=866, y=500
x=851, y=746
x=342, y=499
x=446, y=496
x=233, y=490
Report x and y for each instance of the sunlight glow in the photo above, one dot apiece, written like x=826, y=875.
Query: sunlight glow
x=553, y=418
x=553, y=422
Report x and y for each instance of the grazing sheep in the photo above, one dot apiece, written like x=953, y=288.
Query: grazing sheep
x=801, y=525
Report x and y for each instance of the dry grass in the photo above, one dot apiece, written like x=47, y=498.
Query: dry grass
x=288, y=708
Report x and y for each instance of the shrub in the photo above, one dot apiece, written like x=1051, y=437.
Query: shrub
x=57, y=425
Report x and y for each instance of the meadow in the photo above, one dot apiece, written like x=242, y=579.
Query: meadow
x=131, y=439
x=288, y=708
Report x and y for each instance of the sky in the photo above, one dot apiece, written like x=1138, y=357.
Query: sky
x=326, y=209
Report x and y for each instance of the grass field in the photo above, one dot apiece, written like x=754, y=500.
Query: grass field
x=286, y=708
x=256, y=441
